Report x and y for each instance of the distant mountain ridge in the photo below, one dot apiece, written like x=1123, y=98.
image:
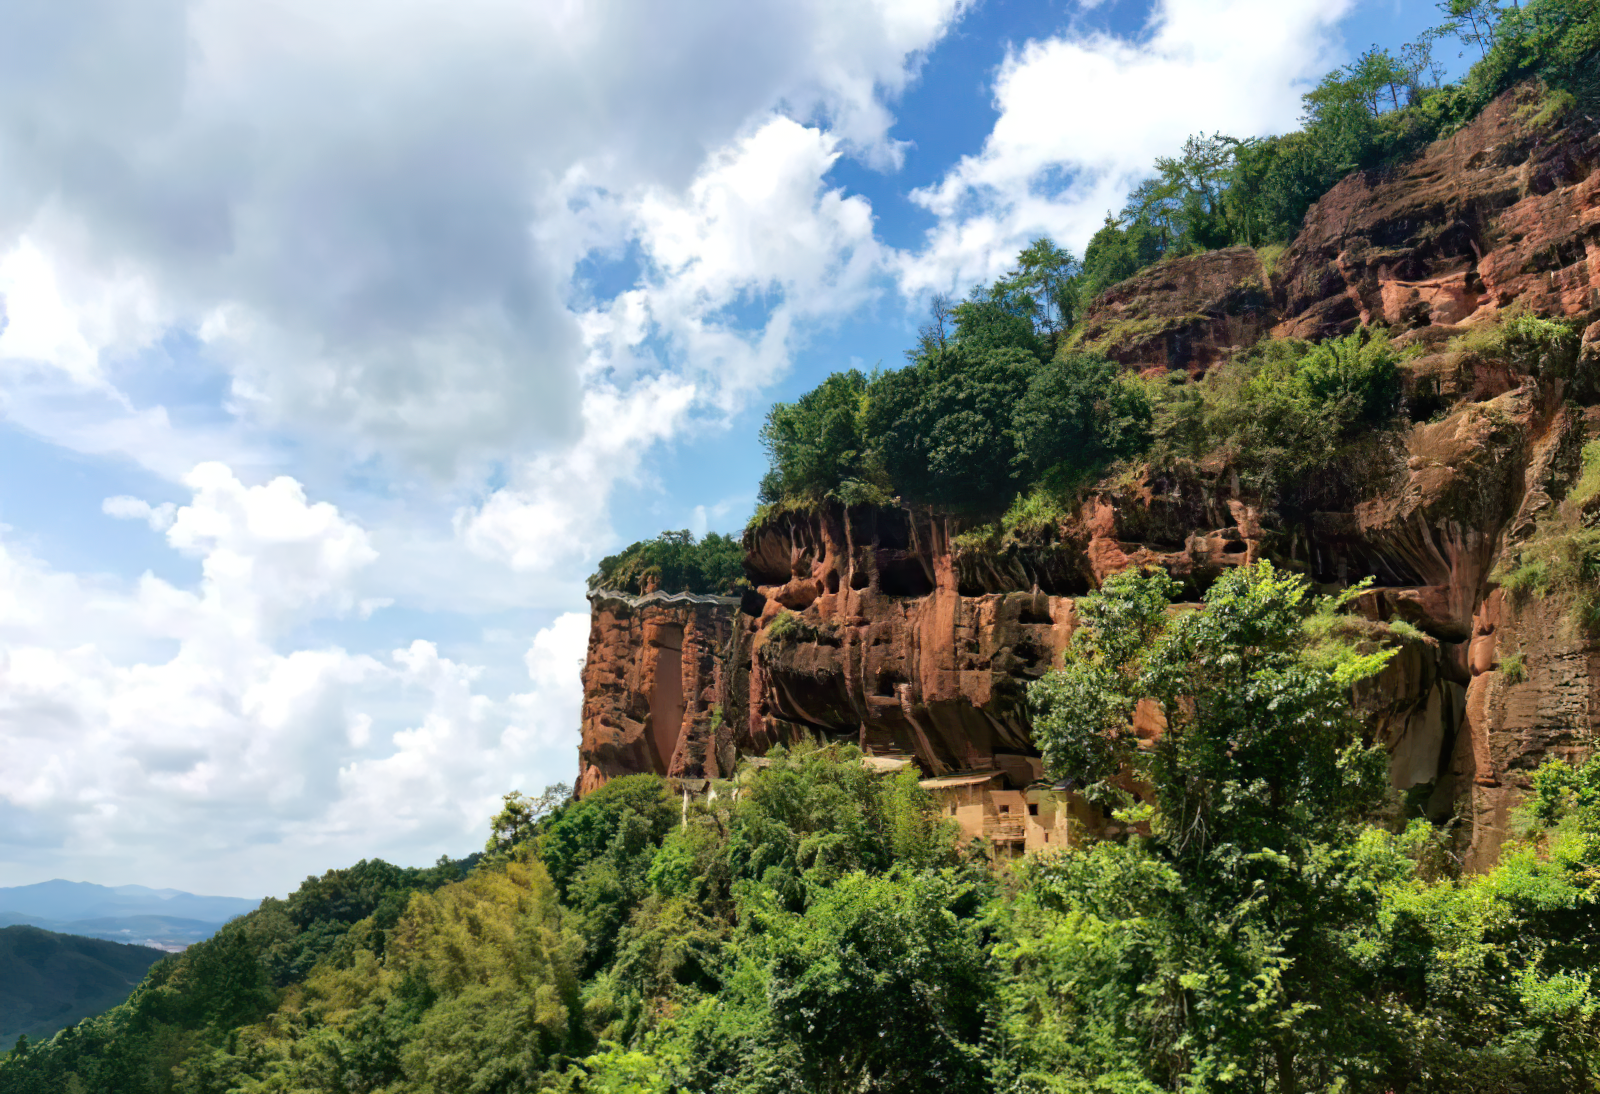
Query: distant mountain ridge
x=162, y=932
x=167, y=919
x=69, y=901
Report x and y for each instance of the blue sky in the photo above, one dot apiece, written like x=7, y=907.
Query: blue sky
x=342, y=340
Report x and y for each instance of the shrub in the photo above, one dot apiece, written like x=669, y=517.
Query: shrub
x=1514, y=667
x=674, y=562
x=1562, y=556
x=1287, y=414
x=1077, y=414
x=1537, y=347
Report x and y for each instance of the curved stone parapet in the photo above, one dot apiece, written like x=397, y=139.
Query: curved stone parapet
x=614, y=595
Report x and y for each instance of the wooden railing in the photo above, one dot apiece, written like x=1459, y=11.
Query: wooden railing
x=1003, y=829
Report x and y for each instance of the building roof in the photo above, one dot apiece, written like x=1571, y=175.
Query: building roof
x=885, y=765
x=971, y=778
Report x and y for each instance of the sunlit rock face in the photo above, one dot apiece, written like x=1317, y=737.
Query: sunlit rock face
x=651, y=682
x=1504, y=213
x=889, y=628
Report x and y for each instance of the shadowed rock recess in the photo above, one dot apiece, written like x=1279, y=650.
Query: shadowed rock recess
x=874, y=625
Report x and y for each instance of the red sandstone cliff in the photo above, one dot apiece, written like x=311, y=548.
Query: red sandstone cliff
x=651, y=681
x=892, y=635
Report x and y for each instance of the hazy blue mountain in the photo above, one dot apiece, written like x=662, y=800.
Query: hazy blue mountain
x=72, y=901
x=49, y=981
x=164, y=932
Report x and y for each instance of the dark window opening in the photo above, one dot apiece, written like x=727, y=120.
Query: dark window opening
x=903, y=577
x=1033, y=810
x=1032, y=612
x=894, y=529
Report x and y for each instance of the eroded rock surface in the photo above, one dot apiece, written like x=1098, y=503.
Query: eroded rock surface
x=1504, y=213
x=1187, y=313
x=651, y=682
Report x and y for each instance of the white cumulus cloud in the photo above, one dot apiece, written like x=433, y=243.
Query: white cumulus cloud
x=161, y=719
x=1082, y=118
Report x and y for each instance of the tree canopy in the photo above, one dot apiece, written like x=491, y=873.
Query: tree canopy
x=674, y=562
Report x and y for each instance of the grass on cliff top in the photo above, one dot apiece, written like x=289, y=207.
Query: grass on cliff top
x=1291, y=417
x=1268, y=255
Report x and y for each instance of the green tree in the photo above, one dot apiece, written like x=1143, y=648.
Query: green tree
x=882, y=984
x=1078, y=415
x=1044, y=283
x=674, y=562
x=1258, y=779
x=521, y=817
x=1082, y=713
x=942, y=427
x=1118, y=250
x=816, y=443
x=599, y=851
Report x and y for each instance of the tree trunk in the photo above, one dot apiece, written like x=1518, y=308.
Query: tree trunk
x=1286, y=1081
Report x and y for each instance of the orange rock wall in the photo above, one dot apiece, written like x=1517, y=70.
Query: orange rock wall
x=651, y=684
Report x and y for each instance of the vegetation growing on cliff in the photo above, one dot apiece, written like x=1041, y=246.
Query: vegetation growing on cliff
x=820, y=930
x=1379, y=109
x=997, y=403
x=984, y=408
x=674, y=562
x=1562, y=556
x=1264, y=937
x=1286, y=415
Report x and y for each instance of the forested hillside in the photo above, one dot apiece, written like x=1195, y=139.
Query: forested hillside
x=49, y=981
x=1008, y=394
x=1264, y=906
x=815, y=926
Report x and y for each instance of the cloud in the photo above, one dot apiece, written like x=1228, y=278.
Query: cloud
x=363, y=232
x=757, y=226
x=362, y=208
x=1083, y=117
x=140, y=720
x=158, y=517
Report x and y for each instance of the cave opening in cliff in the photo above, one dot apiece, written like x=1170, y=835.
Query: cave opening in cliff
x=666, y=695
x=903, y=576
x=1033, y=612
x=888, y=683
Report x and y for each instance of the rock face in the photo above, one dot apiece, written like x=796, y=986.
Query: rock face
x=1505, y=212
x=890, y=628
x=1189, y=313
x=651, y=681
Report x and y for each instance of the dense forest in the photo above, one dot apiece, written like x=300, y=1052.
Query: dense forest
x=49, y=981
x=815, y=926
x=1274, y=918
